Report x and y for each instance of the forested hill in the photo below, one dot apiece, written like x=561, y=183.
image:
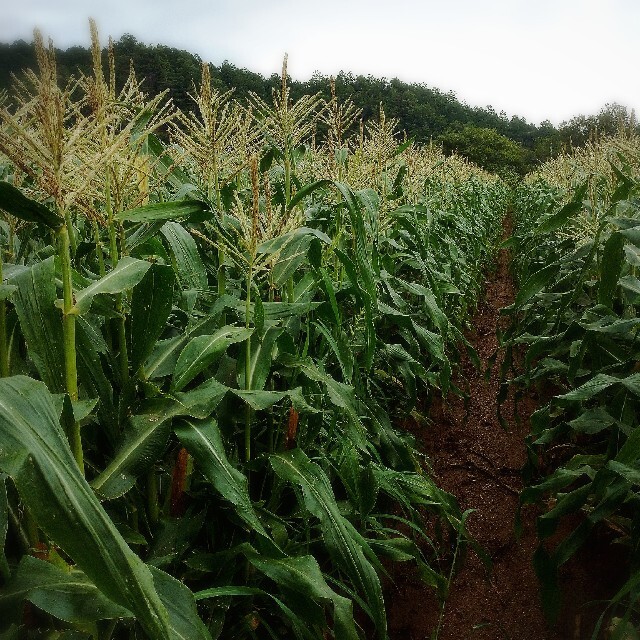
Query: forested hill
x=491, y=139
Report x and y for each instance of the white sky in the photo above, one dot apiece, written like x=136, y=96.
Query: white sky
x=534, y=58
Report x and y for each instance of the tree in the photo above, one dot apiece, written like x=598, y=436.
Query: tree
x=487, y=148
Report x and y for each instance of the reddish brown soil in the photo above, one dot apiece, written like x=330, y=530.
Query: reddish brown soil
x=480, y=463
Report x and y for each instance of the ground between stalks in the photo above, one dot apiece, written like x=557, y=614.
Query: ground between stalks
x=480, y=463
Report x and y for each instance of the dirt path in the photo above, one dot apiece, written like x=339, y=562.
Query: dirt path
x=480, y=463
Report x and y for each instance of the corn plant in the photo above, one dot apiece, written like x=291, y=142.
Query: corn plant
x=575, y=320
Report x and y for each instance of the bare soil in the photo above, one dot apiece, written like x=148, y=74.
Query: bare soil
x=480, y=463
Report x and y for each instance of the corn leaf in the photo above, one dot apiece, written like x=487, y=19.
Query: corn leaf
x=302, y=575
x=150, y=307
x=13, y=201
x=6, y=290
x=554, y=222
x=535, y=284
x=35, y=453
x=143, y=441
x=345, y=545
x=611, y=266
x=127, y=274
x=202, y=351
x=188, y=264
x=183, y=209
x=67, y=595
x=262, y=348
x=204, y=442
x=41, y=322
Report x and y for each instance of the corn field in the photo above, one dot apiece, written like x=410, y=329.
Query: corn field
x=574, y=323
x=211, y=324
x=214, y=323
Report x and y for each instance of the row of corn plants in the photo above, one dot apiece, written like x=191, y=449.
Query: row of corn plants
x=206, y=340
x=574, y=329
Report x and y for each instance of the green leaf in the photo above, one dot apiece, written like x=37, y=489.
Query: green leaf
x=274, y=311
x=610, y=268
x=89, y=347
x=302, y=575
x=35, y=453
x=143, y=441
x=6, y=290
x=589, y=389
x=204, y=442
x=306, y=191
x=632, y=383
x=41, y=322
x=299, y=628
x=182, y=209
x=126, y=275
x=535, y=283
x=277, y=244
x=181, y=607
x=341, y=395
x=67, y=595
x=558, y=220
x=13, y=201
x=630, y=283
x=345, y=545
x=202, y=351
x=150, y=307
x=340, y=347
x=365, y=279
x=188, y=264
x=630, y=474
x=261, y=399
x=163, y=358
x=592, y=421
x=262, y=349
x=201, y=401
x=4, y=526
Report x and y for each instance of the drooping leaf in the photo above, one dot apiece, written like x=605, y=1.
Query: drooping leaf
x=13, y=201
x=262, y=348
x=67, y=595
x=630, y=283
x=6, y=290
x=302, y=575
x=557, y=220
x=162, y=360
x=301, y=631
x=259, y=399
x=345, y=545
x=4, y=526
x=126, y=275
x=589, y=389
x=306, y=191
x=35, y=453
x=181, y=607
x=535, y=284
x=143, y=440
x=610, y=268
x=341, y=349
x=188, y=264
x=204, y=442
x=91, y=373
x=202, y=351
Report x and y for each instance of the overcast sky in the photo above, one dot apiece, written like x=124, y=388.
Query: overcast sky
x=535, y=58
